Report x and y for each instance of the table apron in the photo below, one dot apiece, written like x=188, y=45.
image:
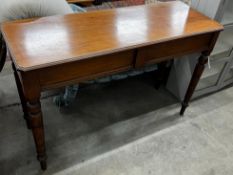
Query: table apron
x=87, y=69
x=160, y=52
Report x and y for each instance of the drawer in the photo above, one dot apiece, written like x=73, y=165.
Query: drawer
x=87, y=68
x=167, y=50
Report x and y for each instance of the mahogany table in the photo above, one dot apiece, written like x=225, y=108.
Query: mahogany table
x=56, y=51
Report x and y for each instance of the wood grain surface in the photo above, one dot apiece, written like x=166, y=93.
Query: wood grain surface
x=55, y=40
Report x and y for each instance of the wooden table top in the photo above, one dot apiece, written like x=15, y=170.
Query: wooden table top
x=60, y=39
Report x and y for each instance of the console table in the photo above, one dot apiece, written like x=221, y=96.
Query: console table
x=56, y=51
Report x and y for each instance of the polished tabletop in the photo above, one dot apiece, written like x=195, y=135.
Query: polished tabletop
x=55, y=40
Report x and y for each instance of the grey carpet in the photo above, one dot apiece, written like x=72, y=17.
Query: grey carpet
x=124, y=127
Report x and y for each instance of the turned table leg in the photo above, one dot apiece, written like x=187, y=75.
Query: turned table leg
x=194, y=81
x=31, y=94
x=21, y=96
x=36, y=121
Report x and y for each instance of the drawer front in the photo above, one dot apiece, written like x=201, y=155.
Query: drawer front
x=167, y=50
x=87, y=69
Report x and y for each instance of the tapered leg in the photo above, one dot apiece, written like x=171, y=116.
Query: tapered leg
x=194, y=81
x=21, y=96
x=36, y=121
